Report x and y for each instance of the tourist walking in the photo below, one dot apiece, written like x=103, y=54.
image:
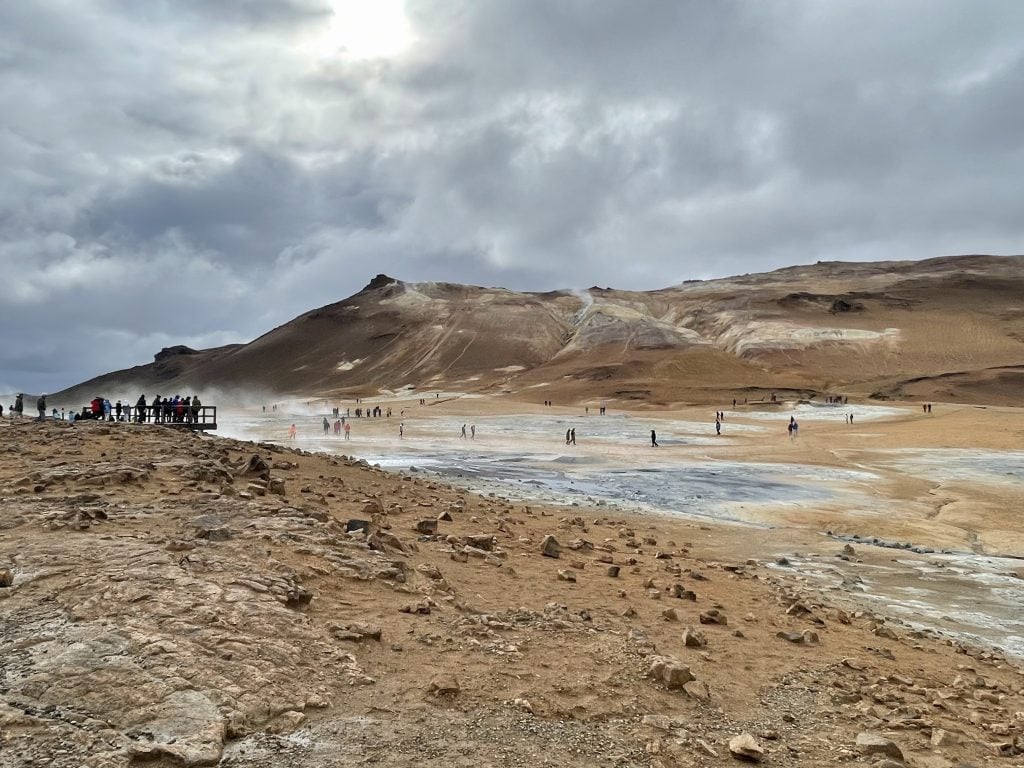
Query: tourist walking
x=654, y=439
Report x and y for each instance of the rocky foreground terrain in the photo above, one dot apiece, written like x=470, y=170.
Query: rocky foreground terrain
x=172, y=599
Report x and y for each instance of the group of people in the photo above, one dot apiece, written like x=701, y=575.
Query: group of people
x=17, y=408
x=341, y=424
x=371, y=413
x=167, y=410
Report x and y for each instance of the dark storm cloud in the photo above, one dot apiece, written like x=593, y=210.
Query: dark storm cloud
x=198, y=172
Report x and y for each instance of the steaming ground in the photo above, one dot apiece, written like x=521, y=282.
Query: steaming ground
x=898, y=483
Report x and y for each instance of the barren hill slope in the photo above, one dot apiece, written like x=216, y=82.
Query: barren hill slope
x=950, y=327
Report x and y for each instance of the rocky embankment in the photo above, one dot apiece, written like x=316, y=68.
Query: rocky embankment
x=174, y=599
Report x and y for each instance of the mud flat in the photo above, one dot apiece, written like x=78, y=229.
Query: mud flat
x=835, y=478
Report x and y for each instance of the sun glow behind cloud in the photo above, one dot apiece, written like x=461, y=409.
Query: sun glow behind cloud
x=364, y=29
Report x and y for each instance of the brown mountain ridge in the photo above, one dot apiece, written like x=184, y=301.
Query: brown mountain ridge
x=950, y=328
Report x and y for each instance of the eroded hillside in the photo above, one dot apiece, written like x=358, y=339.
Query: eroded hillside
x=949, y=326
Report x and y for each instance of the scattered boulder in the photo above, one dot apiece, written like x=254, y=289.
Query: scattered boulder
x=660, y=722
x=355, y=524
x=430, y=571
x=523, y=704
x=798, y=609
x=355, y=631
x=697, y=689
x=942, y=738
x=382, y=541
x=745, y=747
x=550, y=547
x=713, y=616
x=566, y=575
x=807, y=637
x=427, y=527
x=869, y=743
x=887, y=632
x=486, y=542
x=613, y=571
x=672, y=672
x=297, y=597
x=693, y=638
x=373, y=506
x=287, y=722
x=211, y=528
x=421, y=608
x=444, y=685
x=6, y=577
x=255, y=466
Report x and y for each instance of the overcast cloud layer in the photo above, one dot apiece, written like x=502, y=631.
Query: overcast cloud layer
x=199, y=171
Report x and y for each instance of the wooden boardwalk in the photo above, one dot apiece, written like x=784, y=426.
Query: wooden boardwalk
x=202, y=418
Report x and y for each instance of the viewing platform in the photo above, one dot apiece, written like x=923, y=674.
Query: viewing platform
x=203, y=417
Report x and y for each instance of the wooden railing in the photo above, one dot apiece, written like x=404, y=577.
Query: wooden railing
x=202, y=417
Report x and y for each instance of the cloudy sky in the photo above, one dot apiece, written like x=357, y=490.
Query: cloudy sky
x=199, y=171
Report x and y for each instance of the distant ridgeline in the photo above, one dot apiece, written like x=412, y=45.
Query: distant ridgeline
x=860, y=328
